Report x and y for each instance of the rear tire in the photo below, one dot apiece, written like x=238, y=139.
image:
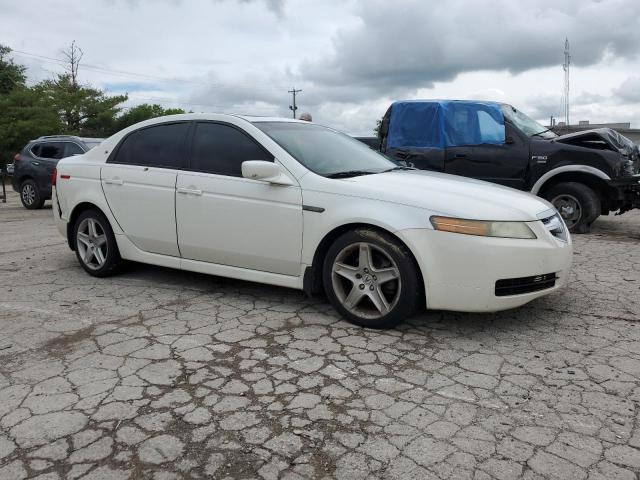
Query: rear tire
x=371, y=279
x=30, y=196
x=577, y=203
x=95, y=244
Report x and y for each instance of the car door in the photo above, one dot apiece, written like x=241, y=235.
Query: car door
x=139, y=181
x=487, y=149
x=505, y=163
x=46, y=156
x=226, y=219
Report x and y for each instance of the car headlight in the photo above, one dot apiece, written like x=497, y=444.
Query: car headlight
x=483, y=228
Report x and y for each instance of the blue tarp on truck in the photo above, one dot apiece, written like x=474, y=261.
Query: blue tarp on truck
x=445, y=123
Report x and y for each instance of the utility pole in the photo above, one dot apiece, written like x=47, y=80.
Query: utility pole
x=565, y=67
x=294, y=107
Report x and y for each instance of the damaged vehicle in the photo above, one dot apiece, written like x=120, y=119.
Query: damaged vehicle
x=584, y=174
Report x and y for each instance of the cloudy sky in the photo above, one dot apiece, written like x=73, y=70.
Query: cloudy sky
x=351, y=58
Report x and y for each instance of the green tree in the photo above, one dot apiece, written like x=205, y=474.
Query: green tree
x=60, y=106
x=84, y=111
x=376, y=129
x=143, y=112
x=11, y=74
x=24, y=115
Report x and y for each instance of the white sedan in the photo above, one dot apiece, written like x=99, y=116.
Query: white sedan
x=299, y=205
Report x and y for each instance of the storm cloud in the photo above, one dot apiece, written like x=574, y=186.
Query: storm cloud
x=351, y=58
x=414, y=43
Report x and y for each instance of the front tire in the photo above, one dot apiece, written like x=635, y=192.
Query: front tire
x=95, y=244
x=30, y=195
x=371, y=279
x=578, y=205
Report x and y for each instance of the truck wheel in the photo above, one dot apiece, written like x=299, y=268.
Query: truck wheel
x=577, y=203
x=30, y=195
x=371, y=279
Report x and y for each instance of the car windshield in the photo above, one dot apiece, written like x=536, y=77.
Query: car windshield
x=325, y=151
x=526, y=124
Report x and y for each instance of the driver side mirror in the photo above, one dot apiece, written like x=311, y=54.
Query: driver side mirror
x=265, y=171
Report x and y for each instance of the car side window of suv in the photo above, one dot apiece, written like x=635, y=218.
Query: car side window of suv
x=156, y=146
x=221, y=149
x=35, y=150
x=51, y=150
x=72, y=148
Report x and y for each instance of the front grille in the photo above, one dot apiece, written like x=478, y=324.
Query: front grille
x=516, y=286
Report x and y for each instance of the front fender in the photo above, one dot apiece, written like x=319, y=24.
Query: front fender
x=340, y=210
x=564, y=169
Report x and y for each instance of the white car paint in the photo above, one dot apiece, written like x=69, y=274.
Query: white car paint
x=258, y=231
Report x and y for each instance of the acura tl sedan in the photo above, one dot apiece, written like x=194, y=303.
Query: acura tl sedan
x=299, y=205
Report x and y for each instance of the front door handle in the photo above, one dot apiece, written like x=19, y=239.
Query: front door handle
x=36, y=163
x=460, y=155
x=114, y=181
x=190, y=191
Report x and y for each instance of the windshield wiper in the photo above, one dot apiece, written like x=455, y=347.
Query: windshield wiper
x=399, y=167
x=348, y=173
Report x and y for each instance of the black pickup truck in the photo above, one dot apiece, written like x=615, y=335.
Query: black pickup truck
x=584, y=174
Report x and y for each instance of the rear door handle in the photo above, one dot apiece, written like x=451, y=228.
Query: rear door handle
x=460, y=155
x=114, y=181
x=36, y=163
x=190, y=191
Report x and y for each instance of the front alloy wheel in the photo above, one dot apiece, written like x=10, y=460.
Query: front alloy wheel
x=371, y=278
x=366, y=280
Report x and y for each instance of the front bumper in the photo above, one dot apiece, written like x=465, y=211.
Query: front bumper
x=627, y=192
x=460, y=271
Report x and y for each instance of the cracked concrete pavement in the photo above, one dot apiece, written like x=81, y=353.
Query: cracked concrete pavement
x=162, y=374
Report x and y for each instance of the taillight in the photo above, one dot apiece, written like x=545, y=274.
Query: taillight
x=54, y=175
x=16, y=159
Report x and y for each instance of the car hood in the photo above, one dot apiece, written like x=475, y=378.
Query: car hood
x=613, y=139
x=446, y=195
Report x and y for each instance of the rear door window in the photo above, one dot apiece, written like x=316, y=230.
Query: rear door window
x=158, y=146
x=221, y=149
x=53, y=150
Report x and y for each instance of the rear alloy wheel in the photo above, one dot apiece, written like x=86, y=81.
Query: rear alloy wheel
x=578, y=205
x=371, y=279
x=30, y=195
x=95, y=244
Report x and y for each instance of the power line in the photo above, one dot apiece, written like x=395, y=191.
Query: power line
x=294, y=107
x=64, y=63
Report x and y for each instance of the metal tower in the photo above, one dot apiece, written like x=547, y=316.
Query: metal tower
x=565, y=66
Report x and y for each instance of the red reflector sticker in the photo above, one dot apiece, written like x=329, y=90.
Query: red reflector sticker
x=66, y=177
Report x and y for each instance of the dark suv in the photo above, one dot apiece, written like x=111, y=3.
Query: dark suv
x=34, y=165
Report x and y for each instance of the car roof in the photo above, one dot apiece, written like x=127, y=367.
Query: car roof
x=213, y=116
x=59, y=138
x=444, y=102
